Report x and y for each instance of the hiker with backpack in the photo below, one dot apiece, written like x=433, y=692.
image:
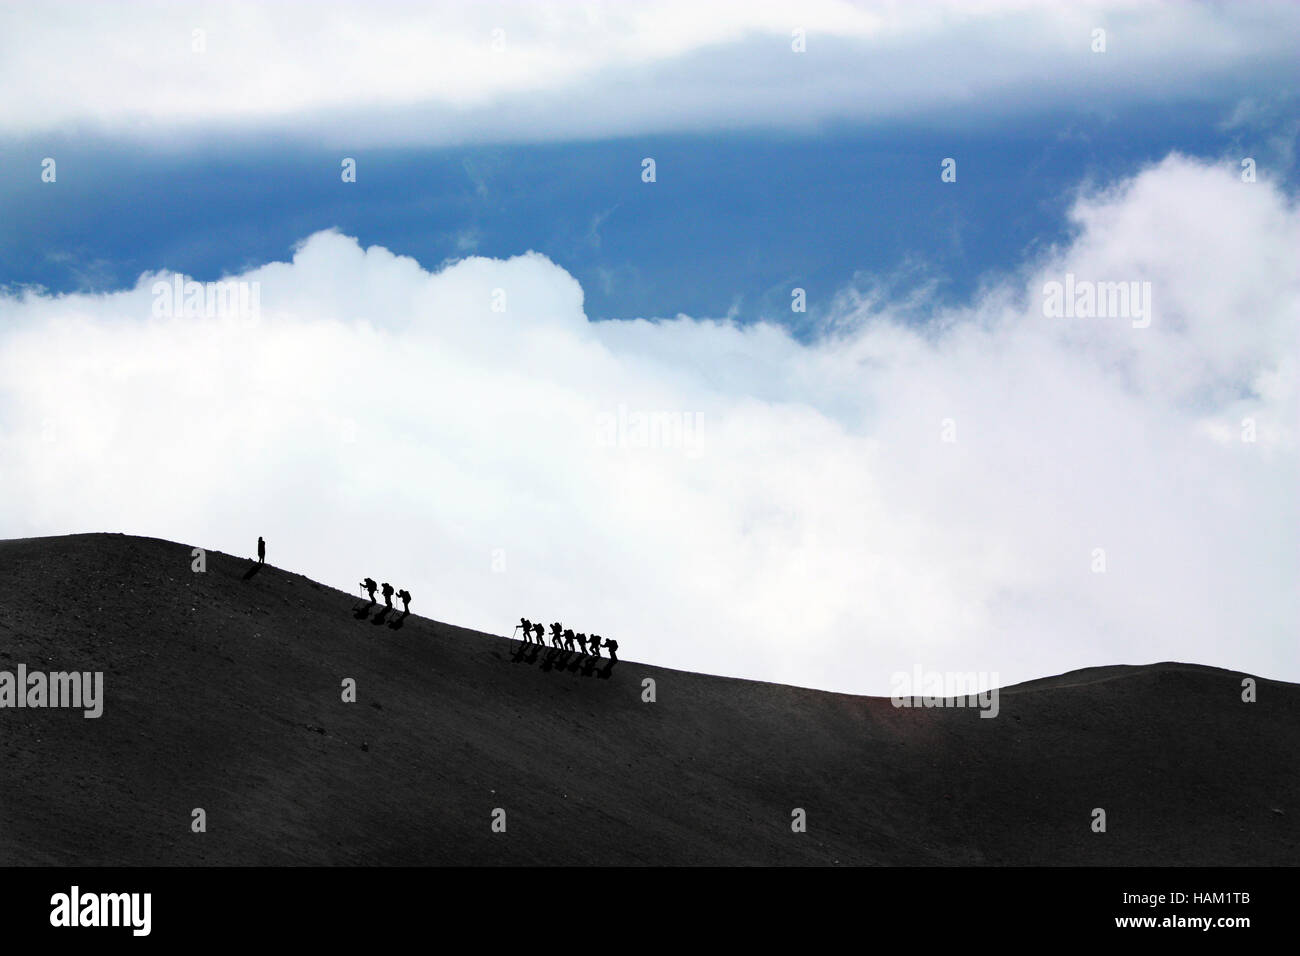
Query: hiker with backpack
x=369, y=586
x=405, y=595
x=594, y=641
x=388, y=595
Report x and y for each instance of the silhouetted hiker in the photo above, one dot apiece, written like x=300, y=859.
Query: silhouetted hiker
x=388, y=594
x=527, y=625
x=261, y=550
x=594, y=641
x=612, y=646
x=538, y=631
x=568, y=639
x=370, y=585
x=405, y=595
x=556, y=630
x=582, y=642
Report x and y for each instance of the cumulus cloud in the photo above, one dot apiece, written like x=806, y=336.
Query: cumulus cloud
x=358, y=73
x=723, y=498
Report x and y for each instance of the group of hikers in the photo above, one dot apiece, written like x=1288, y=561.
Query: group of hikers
x=563, y=637
x=369, y=586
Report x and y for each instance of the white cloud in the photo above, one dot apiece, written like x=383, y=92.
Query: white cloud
x=815, y=530
x=357, y=73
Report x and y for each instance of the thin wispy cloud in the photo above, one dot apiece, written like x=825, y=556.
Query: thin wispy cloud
x=353, y=73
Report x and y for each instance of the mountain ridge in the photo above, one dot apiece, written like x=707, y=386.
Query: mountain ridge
x=223, y=691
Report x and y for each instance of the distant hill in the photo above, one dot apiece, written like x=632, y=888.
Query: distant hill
x=223, y=692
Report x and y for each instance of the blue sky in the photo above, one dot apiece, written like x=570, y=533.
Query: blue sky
x=732, y=224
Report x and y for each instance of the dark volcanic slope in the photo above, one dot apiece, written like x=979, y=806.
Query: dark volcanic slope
x=224, y=693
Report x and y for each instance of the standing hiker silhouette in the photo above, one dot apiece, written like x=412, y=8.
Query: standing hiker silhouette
x=594, y=641
x=538, y=631
x=388, y=594
x=261, y=550
x=370, y=585
x=405, y=595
